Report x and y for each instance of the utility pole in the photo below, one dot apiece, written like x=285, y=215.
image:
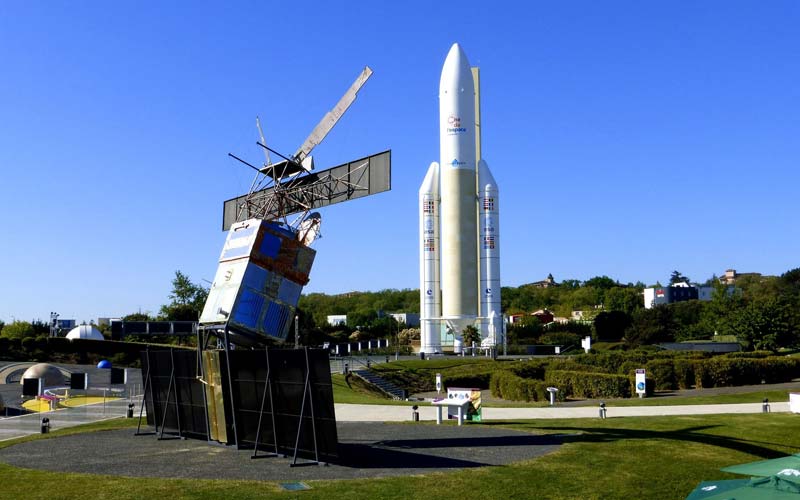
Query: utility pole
x=296, y=331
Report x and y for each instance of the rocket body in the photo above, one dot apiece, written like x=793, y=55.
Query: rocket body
x=458, y=170
x=459, y=238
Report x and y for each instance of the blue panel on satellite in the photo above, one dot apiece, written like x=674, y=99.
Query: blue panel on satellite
x=256, y=277
x=270, y=245
x=248, y=308
x=275, y=319
x=289, y=292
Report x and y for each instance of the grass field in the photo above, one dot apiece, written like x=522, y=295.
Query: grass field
x=619, y=458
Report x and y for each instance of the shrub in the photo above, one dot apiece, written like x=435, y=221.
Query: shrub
x=731, y=371
x=753, y=354
x=684, y=372
x=478, y=380
x=529, y=369
x=506, y=385
x=574, y=366
x=565, y=339
x=589, y=385
x=662, y=371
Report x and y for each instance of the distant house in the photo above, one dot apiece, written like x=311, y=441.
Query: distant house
x=543, y=315
x=730, y=276
x=545, y=283
x=410, y=319
x=678, y=292
x=337, y=319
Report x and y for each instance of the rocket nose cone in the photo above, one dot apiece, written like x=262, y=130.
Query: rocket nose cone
x=456, y=57
x=456, y=71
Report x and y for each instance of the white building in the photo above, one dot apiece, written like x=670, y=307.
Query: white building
x=337, y=319
x=410, y=319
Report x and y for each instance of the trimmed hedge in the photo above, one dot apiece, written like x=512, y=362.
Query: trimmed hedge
x=589, y=385
x=662, y=371
x=507, y=385
x=478, y=380
x=731, y=371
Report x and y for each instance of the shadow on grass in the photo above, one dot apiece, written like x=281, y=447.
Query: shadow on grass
x=688, y=434
x=437, y=453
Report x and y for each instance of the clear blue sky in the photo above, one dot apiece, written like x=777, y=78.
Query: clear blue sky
x=628, y=138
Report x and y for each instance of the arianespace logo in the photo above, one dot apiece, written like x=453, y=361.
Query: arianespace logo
x=455, y=163
x=454, y=125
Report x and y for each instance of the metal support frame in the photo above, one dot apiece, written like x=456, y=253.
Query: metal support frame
x=227, y=343
x=306, y=392
x=166, y=403
x=267, y=391
x=144, y=400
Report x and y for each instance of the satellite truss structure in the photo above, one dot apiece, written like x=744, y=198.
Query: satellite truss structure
x=289, y=188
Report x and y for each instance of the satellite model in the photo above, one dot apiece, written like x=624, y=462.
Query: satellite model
x=276, y=400
x=266, y=259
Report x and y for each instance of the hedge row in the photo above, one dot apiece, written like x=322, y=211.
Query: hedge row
x=589, y=385
x=479, y=380
x=721, y=371
x=507, y=385
x=77, y=351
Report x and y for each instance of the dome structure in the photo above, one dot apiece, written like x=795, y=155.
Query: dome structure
x=53, y=377
x=87, y=332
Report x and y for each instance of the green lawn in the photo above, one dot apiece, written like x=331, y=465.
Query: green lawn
x=619, y=458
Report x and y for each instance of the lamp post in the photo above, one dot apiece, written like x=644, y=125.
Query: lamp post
x=296, y=331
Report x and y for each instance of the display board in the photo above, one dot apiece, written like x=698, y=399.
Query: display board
x=78, y=381
x=173, y=394
x=32, y=386
x=278, y=400
x=296, y=408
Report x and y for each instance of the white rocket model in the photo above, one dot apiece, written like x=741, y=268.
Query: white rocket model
x=459, y=215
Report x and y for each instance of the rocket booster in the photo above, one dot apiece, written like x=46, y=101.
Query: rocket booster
x=456, y=198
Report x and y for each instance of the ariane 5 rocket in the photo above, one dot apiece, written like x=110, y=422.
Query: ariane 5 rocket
x=459, y=220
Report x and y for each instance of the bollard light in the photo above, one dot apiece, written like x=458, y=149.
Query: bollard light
x=602, y=409
x=414, y=413
x=765, y=405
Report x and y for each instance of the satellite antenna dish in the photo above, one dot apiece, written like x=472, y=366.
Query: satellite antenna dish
x=276, y=191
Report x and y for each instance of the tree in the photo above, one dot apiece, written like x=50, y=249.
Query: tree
x=610, y=326
x=651, y=326
x=767, y=325
x=18, y=330
x=187, y=298
x=137, y=316
x=602, y=282
x=677, y=277
x=627, y=299
x=470, y=335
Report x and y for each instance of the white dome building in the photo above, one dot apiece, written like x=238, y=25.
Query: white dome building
x=53, y=377
x=87, y=332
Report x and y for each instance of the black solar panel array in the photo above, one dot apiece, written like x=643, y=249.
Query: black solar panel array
x=288, y=409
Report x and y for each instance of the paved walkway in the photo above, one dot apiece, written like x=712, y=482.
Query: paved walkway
x=388, y=413
x=25, y=425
